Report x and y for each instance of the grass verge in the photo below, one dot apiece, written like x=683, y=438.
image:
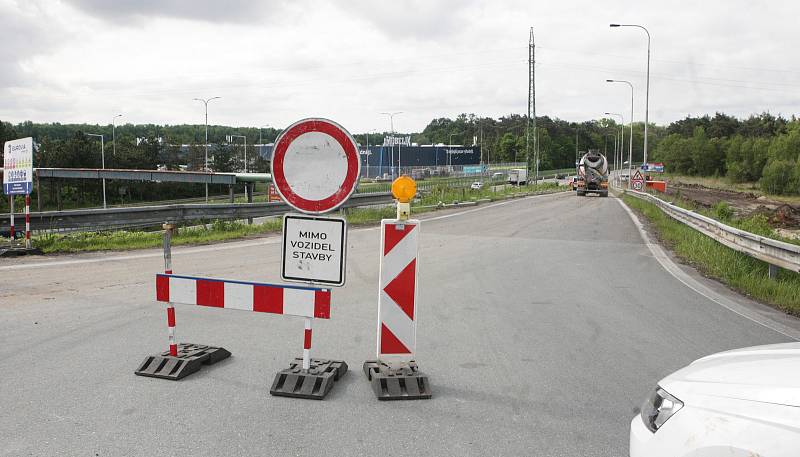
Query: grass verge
x=739, y=271
x=230, y=230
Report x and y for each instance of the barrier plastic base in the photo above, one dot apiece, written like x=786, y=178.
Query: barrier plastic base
x=314, y=383
x=17, y=251
x=397, y=381
x=189, y=360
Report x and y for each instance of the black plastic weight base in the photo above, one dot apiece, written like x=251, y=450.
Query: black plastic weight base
x=397, y=381
x=189, y=360
x=314, y=383
x=17, y=251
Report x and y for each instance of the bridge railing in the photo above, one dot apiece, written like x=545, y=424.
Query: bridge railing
x=146, y=216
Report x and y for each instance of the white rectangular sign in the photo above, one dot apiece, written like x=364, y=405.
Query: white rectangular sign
x=18, y=166
x=314, y=249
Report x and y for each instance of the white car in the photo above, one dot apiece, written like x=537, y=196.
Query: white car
x=739, y=403
x=477, y=185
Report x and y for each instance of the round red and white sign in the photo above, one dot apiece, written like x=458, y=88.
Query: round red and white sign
x=315, y=165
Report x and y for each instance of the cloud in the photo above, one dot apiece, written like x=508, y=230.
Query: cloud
x=28, y=32
x=421, y=20
x=215, y=11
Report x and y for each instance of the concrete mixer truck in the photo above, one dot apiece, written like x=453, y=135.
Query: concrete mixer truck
x=593, y=174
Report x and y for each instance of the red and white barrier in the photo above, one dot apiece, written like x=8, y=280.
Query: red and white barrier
x=246, y=296
x=308, y=302
x=397, y=295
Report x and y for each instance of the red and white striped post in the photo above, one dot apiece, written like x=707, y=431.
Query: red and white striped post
x=173, y=345
x=307, y=344
x=397, y=316
x=11, y=203
x=395, y=374
x=27, y=221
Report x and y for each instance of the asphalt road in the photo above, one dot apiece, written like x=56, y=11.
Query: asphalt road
x=543, y=324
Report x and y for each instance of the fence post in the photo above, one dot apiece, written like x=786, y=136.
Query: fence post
x=249, y=190
x=773, y=271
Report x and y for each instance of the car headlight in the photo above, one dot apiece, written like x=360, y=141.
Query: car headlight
x=659, y=407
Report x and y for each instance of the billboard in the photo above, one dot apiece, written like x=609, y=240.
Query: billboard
x=18, y=166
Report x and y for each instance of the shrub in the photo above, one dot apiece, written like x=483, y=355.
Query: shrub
x=723, y=211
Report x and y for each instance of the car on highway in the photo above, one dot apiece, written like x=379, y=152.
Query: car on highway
x=743, y=402
x=477, y=185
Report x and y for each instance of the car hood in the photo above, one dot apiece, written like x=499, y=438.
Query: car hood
x=769, y=374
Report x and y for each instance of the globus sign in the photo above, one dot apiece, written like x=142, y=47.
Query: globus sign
x=18, y=166
x=653, y=167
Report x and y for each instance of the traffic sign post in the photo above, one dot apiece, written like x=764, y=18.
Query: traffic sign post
x=395, y=374
x=315, y=169
x=637, y=181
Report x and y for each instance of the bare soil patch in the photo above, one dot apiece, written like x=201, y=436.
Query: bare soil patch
x=781, y=215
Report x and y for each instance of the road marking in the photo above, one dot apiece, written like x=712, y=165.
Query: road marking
x=673, y=269
x=231, y=245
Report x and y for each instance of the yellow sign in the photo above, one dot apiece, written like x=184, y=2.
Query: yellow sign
x=404, y=189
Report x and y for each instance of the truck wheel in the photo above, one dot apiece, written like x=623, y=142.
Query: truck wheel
x=604, y=194
x=581, y=194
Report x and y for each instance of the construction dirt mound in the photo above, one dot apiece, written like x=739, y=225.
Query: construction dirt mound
x=743, y=204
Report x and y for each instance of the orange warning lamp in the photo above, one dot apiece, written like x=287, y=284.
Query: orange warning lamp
x=404, y=189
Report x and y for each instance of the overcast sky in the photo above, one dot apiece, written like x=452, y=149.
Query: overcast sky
x=274, y=62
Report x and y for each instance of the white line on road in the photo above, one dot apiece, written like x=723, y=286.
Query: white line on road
x=673, y=269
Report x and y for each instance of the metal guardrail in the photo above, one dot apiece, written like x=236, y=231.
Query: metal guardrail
x=145, y=216
x=138, y=175
x=774, y=252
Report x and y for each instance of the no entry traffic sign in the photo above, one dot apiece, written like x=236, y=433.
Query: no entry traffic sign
x=315, y=166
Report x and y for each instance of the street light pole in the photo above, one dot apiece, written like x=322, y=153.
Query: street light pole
x=647, y=90
x=205, y=103
x=450, y=151
x=245, y=148
x=103, y=162
x=391, y=126
x=630, y=150
x=622, y=138
x=260, y=132
x=114, y=133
